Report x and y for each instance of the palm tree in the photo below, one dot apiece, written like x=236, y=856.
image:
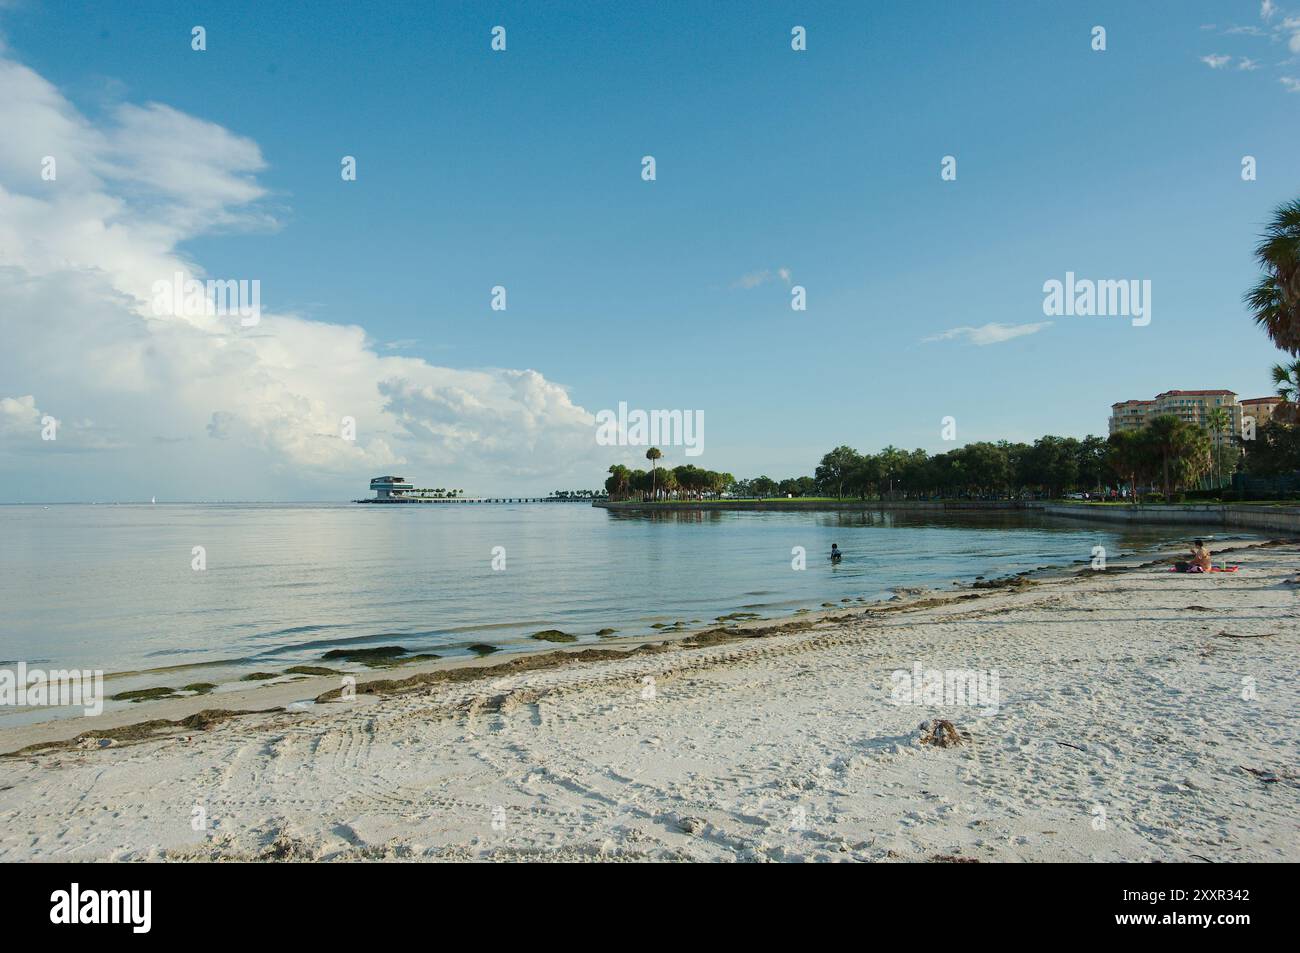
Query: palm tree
x=654, y=455
x=1276, y=299
x=1286, y=378
x=1179, y=446
x=1219, y=419
x=669, y=482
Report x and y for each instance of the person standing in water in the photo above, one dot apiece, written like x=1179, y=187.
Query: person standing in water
x=836, y=553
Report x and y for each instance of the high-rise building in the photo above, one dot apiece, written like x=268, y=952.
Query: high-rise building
x=1192, y=406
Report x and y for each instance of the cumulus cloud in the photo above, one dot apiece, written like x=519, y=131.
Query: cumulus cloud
x=992, y=333
x=19, y=417
x=92, y=215
x=1216, y=60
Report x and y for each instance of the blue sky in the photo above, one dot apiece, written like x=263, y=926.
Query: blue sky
x=522, y=169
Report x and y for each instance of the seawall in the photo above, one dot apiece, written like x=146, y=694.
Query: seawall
x=1261, y=519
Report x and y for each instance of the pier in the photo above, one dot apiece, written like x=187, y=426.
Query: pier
x=470, y=500
x=395, y=489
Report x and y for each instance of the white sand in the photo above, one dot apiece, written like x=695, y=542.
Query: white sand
x=784, y=747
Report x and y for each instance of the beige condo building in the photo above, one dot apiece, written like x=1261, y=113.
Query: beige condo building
x=1192, y=406
x=1261, y=408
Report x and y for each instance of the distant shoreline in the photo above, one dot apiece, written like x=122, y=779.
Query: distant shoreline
x=1257, y=517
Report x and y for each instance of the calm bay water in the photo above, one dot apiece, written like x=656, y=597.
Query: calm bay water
x=111, y=587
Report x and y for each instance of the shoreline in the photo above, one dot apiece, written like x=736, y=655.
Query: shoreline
x=1122, y=693
x=287, y=690
x=1265, y=517
x=236, y=681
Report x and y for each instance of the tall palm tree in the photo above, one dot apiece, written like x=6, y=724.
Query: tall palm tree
x=1218, y=419
x=1276, y=299
x=654, y=455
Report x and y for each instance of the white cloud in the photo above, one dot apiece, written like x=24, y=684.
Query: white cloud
x=1267, y=9
x=1216, y=60
x=78, y=337
x=1247, y=64
x=752, y=280
x=20, y=418
x=756, y=278
x=1291, y=83
x=993, y=333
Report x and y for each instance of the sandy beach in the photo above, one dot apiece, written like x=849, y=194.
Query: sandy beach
x=1141, y=715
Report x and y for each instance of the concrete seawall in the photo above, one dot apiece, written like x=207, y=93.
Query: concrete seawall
x=1283, y=520
x=1261, y=519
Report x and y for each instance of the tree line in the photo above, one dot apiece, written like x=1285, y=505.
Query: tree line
x=686, y=482
x=1167, y=453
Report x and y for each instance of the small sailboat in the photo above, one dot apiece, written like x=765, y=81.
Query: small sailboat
x=153, y=499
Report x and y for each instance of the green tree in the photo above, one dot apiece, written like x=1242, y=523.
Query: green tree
x=1129, y=455
x=1218, y=421
x=863, y=476
x=619, y=481
x=1275, y=301
x=1092, y=462
x=835, y=467
x=1052, y=464
x=654, y=455
x=668, y=482
x=1286, y=384
x=892, y=462
x=1177, y=444
x=1275, y=451
x=986, y=468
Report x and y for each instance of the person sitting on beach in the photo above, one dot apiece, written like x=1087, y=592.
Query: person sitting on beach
x=1200, y=558
x=836, y=552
